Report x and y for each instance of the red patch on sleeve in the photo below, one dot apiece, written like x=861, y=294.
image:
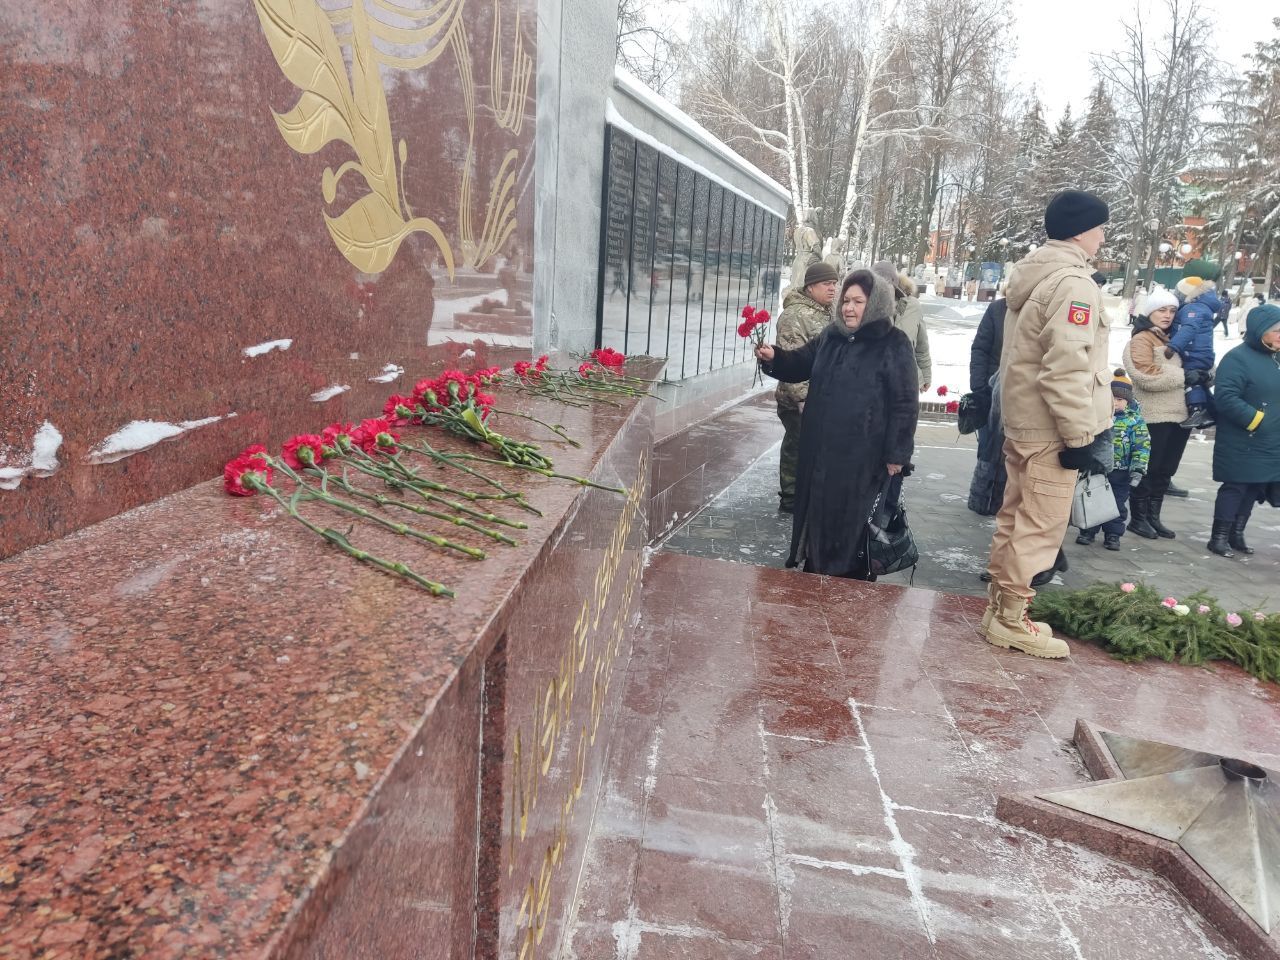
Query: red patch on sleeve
x=1078, y=313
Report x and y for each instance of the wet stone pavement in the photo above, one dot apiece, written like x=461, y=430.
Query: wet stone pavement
x=742, y=524
x=808, y=768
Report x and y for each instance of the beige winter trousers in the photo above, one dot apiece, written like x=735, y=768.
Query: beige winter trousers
x=1033, y=518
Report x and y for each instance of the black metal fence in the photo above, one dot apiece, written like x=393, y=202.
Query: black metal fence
x=680, y=255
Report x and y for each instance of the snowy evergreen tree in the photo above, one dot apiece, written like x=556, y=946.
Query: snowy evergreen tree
x=1099, y=172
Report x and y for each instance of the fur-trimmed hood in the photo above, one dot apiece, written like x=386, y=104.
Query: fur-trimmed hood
x=906, y=284
x=877, y=319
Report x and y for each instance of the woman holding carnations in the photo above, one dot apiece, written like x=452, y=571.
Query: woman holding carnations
x=858, y=425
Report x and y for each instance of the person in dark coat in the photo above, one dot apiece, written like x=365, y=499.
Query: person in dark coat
x=858, y=426
x=986, y=489
x=1246, y=447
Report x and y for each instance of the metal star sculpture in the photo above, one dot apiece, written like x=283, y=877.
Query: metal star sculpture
x=1224, y=813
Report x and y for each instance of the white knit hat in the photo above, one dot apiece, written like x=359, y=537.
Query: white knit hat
x=1157, y=298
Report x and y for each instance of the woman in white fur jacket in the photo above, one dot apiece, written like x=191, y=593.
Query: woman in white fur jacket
x=1160, y=389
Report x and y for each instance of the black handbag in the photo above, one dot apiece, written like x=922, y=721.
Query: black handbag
x=974, y=411
x=890, y=544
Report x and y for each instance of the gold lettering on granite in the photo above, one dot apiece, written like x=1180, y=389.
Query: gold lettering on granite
x=353, y=110
x=552, y=716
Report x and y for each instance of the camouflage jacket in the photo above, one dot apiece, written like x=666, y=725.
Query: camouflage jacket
x=803, y=318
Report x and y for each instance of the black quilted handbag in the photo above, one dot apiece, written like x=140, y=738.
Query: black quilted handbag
x=890, y=545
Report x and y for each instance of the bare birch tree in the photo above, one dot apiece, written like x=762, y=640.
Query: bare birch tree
x=1158, y=85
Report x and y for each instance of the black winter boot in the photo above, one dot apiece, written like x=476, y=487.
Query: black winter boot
x=1200, y=418
x=1060, y=563
x=1139, y=518
x=1236, y=536
x=1153, y=517
x=1175, y=491
x=1218, y=542
x=1111, y=541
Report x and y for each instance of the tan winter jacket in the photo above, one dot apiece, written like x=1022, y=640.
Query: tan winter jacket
x=1055, y=382
x=1157, y=380
x=909, y=318
x=802, y=319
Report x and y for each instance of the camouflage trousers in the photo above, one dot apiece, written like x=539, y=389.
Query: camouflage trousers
x=789, y=456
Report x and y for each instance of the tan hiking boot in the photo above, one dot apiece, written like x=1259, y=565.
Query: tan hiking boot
x=993, y=601
x=1011, y=627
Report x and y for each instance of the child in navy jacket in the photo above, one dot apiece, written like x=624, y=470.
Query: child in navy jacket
x=1191, y=336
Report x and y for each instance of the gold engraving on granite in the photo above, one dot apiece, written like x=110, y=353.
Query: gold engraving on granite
x=308, y=49
x=552, y=717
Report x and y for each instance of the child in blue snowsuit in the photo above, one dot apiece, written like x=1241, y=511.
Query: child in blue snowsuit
x=1131, y=446
x=1191, y=336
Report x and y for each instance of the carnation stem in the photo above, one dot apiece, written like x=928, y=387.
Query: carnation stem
x=447, y=459
x=582, y=481
x=340, y=541
x=385, y=501
x=403, y=529
x=556, y=429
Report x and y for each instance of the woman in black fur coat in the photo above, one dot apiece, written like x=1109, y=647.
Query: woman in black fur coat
x=858, y=425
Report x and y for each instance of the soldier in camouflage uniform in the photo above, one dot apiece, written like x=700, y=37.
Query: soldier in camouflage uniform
x=805, y=313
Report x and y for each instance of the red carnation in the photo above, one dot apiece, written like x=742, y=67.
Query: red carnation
x=242, y=474
x=489, y=375
x=331, y=433
x=762, y=316
x=390, y=409
x=953, y=406
x=942, y=390
x=584, y=369
x=609, y=358
x=748, y=312
x=540, y=363
x=745, y=328
x=522, y=368
x=369, y=432
x=294, y=446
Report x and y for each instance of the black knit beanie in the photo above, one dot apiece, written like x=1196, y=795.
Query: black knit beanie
x=1072, y=212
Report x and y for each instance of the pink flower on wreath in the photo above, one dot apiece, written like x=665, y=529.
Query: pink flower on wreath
x=1234, y=620
x=1259, y=616
x=1169, y=602
x=1128, y=587
x=1202, y=609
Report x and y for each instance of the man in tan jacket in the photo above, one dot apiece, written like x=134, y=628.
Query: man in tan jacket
x=1055, y=389
x=806, y=311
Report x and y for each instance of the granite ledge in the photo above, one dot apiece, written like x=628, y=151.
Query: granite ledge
x=202, y=701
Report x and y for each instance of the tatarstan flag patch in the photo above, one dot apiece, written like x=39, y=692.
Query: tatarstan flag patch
x=1078, y=313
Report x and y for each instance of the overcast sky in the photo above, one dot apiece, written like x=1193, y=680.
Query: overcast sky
x=1055, y=38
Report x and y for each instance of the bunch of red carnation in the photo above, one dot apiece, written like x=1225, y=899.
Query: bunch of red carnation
x=530, y=371
x=452, y=389
x=753, y=324
x=608, y=358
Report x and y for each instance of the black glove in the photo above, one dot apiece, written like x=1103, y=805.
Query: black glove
x=1080, y=458
x=1193, y=378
